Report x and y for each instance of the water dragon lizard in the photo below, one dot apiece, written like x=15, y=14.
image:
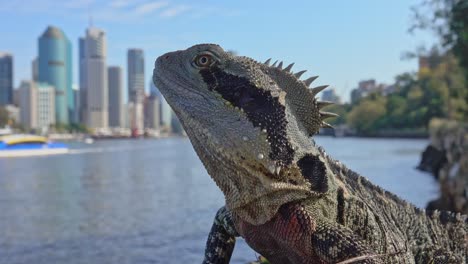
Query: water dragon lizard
x=251, y=125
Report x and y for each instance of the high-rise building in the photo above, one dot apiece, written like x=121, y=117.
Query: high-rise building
x=82, y=80
x=136, y=87
x=35, y=69
x=76, y=96
x=331, y=96
x=165, y=110
x=6, y=78
x=138, y=120
x=55, y=68
x=45, y=106
x=136, y=72
x=28, y=104
x=152, y=112
x=93, y=78
x=15, y=97
x=115, y=81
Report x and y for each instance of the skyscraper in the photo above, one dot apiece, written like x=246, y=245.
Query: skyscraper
x=45, y=106
x=6, y=78
x=82, y=80
x=152, y=112
x=55, y=68
x=165, y=110
x=35, y=69
x=115, y=80
x=331, y=96
x=93, y=78
x=136, y=72
x=136, y=87
x=28, y=104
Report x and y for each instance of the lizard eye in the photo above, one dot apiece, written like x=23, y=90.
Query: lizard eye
x=204, y=60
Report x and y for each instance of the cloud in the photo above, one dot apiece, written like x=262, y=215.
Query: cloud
x=78, y=4
x=119, y=11
x=147, y=8
x=120, y=3
x=174, y=11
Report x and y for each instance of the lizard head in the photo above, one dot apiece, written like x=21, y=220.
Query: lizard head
x=249, y=122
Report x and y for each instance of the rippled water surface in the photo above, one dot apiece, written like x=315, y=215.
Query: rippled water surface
x=151, y=201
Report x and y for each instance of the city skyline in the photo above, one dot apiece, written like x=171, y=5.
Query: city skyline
x=48, y=98
x=341, y=43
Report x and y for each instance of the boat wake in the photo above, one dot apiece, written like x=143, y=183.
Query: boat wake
x=106, y=149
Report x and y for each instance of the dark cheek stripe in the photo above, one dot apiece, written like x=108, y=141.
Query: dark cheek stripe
x=314, y=171
x=262, y=109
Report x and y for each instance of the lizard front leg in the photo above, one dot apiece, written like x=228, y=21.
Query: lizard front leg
x=221, y=239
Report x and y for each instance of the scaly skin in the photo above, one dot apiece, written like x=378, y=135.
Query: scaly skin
x=250, y=124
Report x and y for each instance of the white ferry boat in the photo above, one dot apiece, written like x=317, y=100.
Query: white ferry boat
x=29, y=145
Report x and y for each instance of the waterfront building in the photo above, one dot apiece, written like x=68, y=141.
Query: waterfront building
x=165, y=110
x=136, y=73
x=82, y=80
x=364, y=88
x=55, y=68
x=138, y=119
x=93, y=79
x=331, y=96
x=6, y=78
x=35, y=69
x=126, y=111
x=28, y=104
x=16, y=97
x=45, y=106
x=77, y=112
x=152, y=112
x=115, y=81
x=136, y=87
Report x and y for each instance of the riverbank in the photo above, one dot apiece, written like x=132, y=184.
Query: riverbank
x=345, y=131
x=446, y=158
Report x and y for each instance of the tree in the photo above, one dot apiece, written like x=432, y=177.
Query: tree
x=449, y=20
x=368, y=115
x=340, y=109
x=397, y=109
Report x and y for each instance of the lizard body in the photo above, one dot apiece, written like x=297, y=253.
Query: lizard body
x=250, y=123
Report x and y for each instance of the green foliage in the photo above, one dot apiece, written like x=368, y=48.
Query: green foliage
x=341, y=110
x=449, y=20
x=438, y=91
x=367, y=116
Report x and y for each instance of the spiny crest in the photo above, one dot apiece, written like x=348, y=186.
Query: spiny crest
x=300, y=97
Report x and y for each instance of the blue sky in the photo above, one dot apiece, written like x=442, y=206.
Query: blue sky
x=341, y=41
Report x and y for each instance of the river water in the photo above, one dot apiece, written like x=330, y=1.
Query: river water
x=151, y=201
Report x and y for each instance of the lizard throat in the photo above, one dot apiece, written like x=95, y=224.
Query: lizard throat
x=261, y=108
x=249, y=192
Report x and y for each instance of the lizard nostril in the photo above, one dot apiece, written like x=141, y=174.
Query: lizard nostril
x=167, y=57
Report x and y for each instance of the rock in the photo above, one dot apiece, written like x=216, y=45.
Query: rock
x=432, y=160
x=447, y=158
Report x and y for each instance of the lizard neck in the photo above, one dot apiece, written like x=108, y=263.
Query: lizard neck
x=251, y=191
